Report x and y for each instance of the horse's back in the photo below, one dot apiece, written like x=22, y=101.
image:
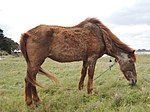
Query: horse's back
x=65, y=44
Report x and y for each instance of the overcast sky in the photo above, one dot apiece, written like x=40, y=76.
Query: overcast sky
x=128, y=19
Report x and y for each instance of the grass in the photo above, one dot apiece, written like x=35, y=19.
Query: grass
x=111, y=91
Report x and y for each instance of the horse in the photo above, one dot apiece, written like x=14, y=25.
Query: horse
x=86, y=41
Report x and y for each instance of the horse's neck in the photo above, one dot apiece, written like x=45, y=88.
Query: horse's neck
x=118, y=53
x=113, y=48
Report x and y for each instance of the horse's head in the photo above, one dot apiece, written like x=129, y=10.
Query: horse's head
x=127, y=66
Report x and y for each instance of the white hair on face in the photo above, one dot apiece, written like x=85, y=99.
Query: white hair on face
x=123, y=57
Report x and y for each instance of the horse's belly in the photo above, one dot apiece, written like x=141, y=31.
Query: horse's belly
x=67, y=55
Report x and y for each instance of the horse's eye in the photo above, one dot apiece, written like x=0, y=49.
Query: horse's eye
x=129, y=56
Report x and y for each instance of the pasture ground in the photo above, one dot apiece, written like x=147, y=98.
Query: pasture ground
x=111, y=91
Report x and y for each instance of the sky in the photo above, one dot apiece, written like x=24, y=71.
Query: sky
x=129, y=20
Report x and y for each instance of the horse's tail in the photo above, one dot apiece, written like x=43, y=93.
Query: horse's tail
x=23, y=45
x=49, y=75
x=23, y=42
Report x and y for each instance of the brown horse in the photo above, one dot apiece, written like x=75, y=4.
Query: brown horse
x=87, y=41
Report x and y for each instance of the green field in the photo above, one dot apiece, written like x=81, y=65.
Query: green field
x=111, y=91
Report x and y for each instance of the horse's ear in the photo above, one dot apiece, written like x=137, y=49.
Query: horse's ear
x=133, y=51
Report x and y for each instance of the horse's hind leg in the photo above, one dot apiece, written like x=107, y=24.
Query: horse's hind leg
x=30, y=89
x=83, y=74
x=34, y=92
x=28, y=92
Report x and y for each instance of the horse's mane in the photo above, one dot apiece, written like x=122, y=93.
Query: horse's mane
x=108, y=36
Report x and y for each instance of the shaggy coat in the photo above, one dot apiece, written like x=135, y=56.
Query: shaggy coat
x=86, y=41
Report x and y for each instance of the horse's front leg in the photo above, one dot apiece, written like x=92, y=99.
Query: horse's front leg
x=91, y=69
x=83, y=74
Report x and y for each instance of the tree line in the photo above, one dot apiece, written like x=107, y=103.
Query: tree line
x=7, y=44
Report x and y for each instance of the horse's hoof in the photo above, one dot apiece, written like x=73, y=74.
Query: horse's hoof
x=36, y=99
x=89, y=90
x=36, y=102
x=31, y=106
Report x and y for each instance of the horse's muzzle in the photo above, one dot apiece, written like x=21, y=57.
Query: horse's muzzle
x=132, y=82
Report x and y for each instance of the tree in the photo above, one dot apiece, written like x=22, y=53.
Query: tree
x=7, y=44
